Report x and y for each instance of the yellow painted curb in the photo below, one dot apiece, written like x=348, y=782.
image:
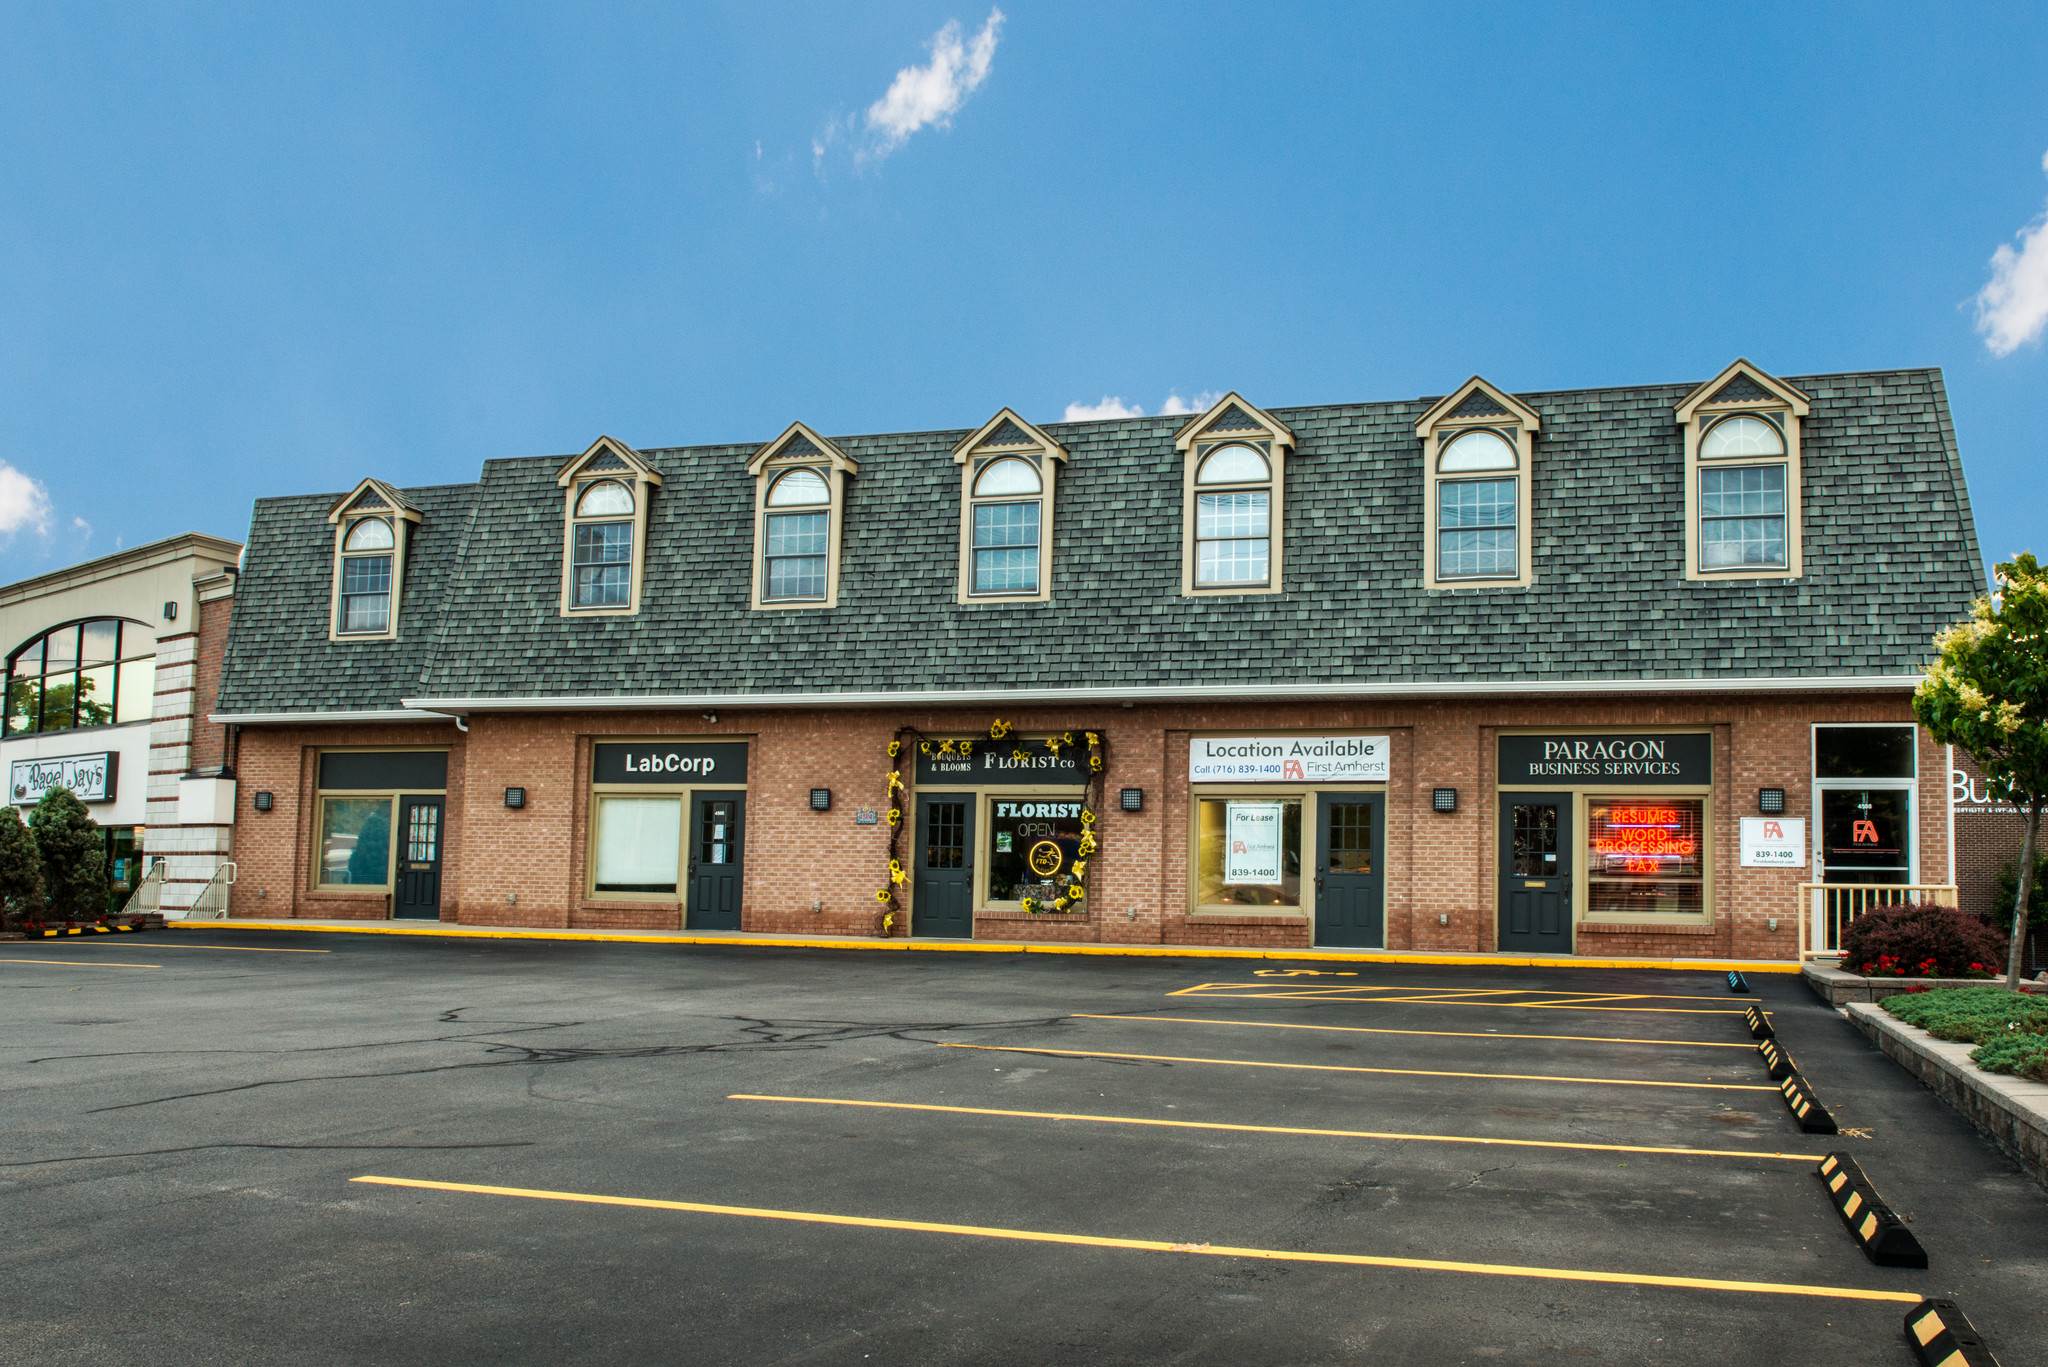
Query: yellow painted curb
x=1010, y=947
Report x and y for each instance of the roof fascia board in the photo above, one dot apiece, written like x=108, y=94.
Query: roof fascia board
x=327, y=718
x=1169, y=693
x=164, y=552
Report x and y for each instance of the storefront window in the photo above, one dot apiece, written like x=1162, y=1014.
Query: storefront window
x=1031, y=846
x=1863, y=752
x=88, y=674
x=639, y=844
x=1645, y=856
x=1248, y=852
x=355, y=841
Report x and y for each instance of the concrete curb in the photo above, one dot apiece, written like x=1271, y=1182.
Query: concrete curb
x=2012, y=1112
x=1839, y=988
x=745, y=940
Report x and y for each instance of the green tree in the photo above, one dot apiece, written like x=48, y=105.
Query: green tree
x=1988, y=694
x=21, y=871
x=73, y=854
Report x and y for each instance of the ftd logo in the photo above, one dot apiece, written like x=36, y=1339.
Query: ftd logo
x=1863, y=833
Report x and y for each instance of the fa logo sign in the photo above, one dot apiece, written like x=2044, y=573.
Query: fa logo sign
x=1292, y=769
x=1773, y=831
x=1863, y=833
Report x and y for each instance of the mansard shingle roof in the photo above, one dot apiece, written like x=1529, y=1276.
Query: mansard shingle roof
x=1890, y=556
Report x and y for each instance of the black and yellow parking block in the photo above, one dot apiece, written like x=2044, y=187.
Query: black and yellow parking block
x=1776, y=1059
x=1813, y=1117
x=1759, y=1023
x=1943, y=1337
x=1884, y=1238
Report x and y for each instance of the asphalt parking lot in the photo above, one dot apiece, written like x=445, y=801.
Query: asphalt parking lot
x=666, y=1154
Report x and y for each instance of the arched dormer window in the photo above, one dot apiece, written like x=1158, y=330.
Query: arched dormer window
x=1233, y=510
x=1742, y=431
x=1477, y=447
x=373, y=529
x=606, y=492
x=799, y=510
x=1008, y=471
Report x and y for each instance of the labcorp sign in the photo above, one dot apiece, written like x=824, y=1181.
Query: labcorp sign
x=670, y=762
x=1287, y=759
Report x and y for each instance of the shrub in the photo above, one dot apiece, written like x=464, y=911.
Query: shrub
x=1921, y=942
x=2008, y=894
x=74, y=860
x=2026, y=1055
x=21, y=872
x=1974, y=1015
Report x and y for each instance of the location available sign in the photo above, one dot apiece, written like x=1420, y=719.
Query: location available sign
x=1773, y=842
x=89, y=777
x=1287, y=759
x=1251, y=849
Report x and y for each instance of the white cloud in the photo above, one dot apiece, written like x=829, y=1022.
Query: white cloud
x=24, y=502
x=1176, y=405
x=929, y=95
x=2012, y=309
x=1108, y=408
x=82, y=527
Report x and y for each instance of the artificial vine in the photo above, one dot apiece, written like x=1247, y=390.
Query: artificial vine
x=1075, y=889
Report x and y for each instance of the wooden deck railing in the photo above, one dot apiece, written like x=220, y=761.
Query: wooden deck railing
x=1824, y=908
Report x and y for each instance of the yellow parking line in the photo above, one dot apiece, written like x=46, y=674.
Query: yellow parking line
x=70, y=963
x=1849, y=1293
x=1453, y=993
x=1337, y=994
x=1446, y=1034
x=1288, y=1129
x=1353, y=1068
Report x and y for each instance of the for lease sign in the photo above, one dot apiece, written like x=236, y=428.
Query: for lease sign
x=1251, y=833
x=1287, y=759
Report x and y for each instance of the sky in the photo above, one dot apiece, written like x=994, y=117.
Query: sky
x=262, y=250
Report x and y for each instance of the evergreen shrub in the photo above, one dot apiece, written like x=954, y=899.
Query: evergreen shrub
x=1918, y=941
x=73, y=855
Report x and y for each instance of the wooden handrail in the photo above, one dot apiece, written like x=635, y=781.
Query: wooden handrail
x=1824, y=908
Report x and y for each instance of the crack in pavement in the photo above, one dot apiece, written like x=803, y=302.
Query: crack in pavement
x=197, y=1148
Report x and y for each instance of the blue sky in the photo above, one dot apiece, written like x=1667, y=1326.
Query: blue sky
x=273, y=249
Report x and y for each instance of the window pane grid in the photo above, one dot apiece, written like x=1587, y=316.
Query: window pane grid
x=50, y=691
x=603, y=564
x=797, y=546
x=1232, y=545
x=1742, y=517
x=1476, y=529
x=1006, y=548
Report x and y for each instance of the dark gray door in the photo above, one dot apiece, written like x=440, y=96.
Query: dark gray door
x=716, y=873
x=417, y=892
x=1536, y=872
x=1351, y=874
x=942, y=891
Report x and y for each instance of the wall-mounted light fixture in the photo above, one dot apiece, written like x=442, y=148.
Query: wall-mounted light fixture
x=515, y=797
x=263, y=801
x=711, y=717
x=1770, y=801
x=1443, y=800
x=171, y=610
x=821, y=799
x=1134, y=799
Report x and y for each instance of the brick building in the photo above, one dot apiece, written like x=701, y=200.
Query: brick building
x=107, y=664
x=1591, y=671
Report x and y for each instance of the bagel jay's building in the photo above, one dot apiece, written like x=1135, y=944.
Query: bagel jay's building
x=1596, y=671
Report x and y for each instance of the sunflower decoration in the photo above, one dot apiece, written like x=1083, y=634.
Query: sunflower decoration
x=966, y=747
x=998, y=728
x=1093, y=739
x=1053, y=744
x=884, y=896
x=1059, y=904
x=1087, y=845
x=924, y=747
x=888, y=922
x=895, y=817
x=895, y=780
x=1019, y=756
x=895, y=748
x=1029, y=906
x=1094, y=764
x=896, y=874
x=1087, y=817
x=945, y=747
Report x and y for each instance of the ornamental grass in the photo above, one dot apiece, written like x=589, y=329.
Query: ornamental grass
x=2010, y=1028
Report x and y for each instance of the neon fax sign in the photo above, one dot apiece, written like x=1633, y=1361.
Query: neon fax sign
x=669, y=762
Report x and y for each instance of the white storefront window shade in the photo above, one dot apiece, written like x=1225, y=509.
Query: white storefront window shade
x=639, y=844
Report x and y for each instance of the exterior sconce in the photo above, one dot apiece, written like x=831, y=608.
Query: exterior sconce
x=171, y=610
x=821, y=799
x=1133, y=799
x=1443, y=800
x=1770, y=801
x=263, y=801
x=515, y=797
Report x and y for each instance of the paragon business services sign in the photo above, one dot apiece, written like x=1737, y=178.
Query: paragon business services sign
x=1618, y=758
x=1287, y=759
x=89, y=777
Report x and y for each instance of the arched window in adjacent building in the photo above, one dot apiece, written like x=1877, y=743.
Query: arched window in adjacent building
x=603, y=542
x=95, y=673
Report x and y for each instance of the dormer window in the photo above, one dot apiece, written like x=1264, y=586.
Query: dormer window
x=1234, y=508
x=373, y=527
x=366, y=577
x=799, y=508
x=1477, y=445
x=607, y=489
x=1742, y=475
x=1008, y=470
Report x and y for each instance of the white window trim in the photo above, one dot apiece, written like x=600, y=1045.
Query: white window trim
x=1272, y=439
x=799, y=447
x=976, y=453
x=641, y=479
x=1437, y=429
x=371, y=498
x=1785, y=408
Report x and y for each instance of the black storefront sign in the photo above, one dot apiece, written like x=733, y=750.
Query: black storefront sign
x=1608, y=759
x=671, y=762
x=994, y=764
